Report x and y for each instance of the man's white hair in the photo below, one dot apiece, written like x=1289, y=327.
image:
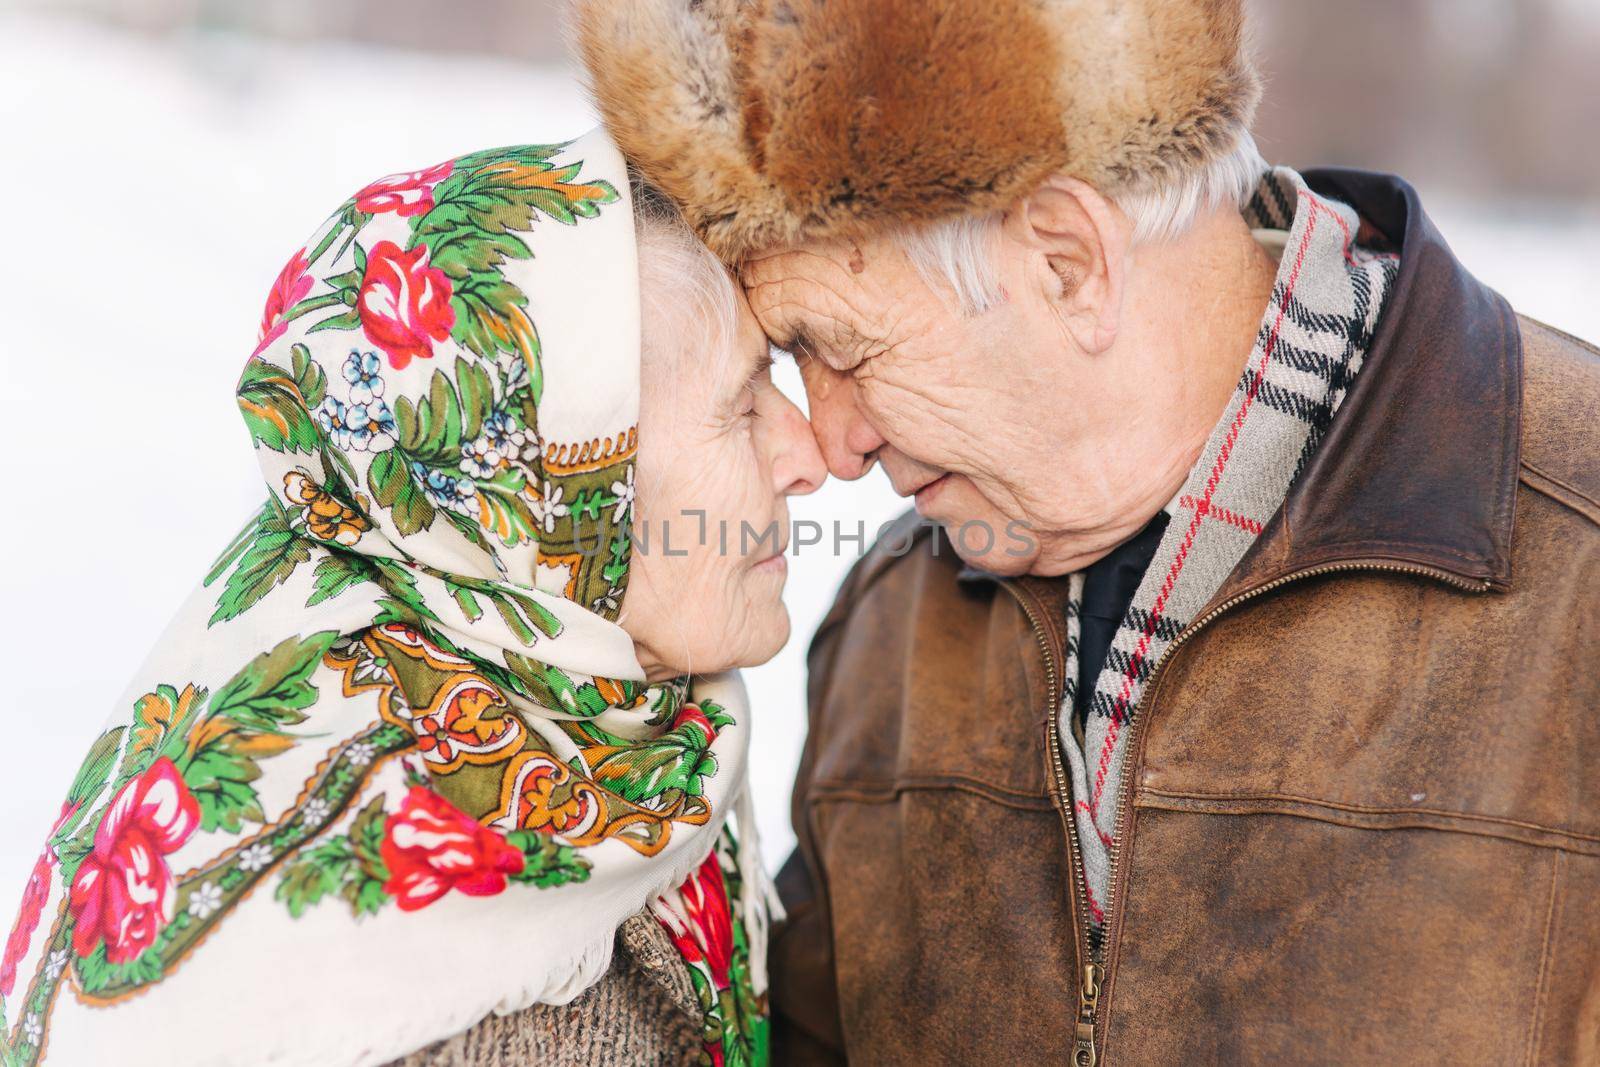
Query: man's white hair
x=958, y=253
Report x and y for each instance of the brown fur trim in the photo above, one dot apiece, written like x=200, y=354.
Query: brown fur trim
x=777, y=121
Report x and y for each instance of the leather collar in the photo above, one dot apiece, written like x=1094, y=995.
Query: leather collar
x=1419, y=465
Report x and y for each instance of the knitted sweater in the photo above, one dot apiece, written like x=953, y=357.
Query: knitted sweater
x=643, y=1013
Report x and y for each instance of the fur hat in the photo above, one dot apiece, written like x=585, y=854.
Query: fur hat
x=776, y=121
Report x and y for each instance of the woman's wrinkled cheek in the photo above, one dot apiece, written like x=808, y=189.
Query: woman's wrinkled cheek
x=703, y=518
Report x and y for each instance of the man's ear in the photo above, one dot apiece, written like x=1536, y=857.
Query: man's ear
x=1084, y=240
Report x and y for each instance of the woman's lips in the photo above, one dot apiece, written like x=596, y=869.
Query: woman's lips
x=778, y=563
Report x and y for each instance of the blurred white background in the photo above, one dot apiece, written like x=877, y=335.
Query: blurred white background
x=156, y=172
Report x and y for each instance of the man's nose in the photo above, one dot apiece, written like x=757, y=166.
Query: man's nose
x=849, y=442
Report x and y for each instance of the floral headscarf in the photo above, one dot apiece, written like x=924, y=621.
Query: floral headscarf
x=394, y=765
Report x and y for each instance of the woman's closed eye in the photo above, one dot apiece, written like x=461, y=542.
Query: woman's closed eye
x=749, y=409
x=755, y=386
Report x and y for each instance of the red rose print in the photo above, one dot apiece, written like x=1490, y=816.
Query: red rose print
x=431, y=847
x=405, y=304
x=709, y=936
x=691, y=713
x=34, y=895
x=124, y=892
x=405, y=194
x=291, y=287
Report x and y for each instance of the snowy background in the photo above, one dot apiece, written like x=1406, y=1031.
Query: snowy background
x=153, y=186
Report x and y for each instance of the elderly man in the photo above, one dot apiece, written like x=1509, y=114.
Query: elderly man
x=1241, y=706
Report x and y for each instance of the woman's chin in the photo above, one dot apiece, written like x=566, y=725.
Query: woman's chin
x=762, y=636
x=755, y=641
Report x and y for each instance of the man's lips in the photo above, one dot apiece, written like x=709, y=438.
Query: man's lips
x=926, y=492
x=914, y=489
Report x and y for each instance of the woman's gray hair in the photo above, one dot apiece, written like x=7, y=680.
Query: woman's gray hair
x=958, y=254
x=688, y=303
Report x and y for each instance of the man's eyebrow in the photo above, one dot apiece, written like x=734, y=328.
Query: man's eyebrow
x=794, y=340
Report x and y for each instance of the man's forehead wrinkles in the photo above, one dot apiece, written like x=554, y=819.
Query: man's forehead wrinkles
x=843, y=333
x=823, y=308
x=814, y=305
x=804, y=263
x=792, y=326
x=789, y=306
x=787, y=296
x=776, y=309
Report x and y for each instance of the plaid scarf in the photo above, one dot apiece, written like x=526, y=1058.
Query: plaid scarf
x=1319, y=322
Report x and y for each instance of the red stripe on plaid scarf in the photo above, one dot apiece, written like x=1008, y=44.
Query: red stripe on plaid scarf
x=1232, y=518
x=1131, y=674
x=1317, y=204
x=1105, y=838
x=1094, y=905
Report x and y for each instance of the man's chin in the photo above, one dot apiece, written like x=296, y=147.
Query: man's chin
x=1006, y=551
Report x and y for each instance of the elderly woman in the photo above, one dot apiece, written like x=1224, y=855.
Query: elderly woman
x=448, y=729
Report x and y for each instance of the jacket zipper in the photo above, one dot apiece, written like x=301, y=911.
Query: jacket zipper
x=1093, y=970
x=1083, y=1053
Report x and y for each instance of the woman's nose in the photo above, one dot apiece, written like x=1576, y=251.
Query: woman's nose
x=797, y=469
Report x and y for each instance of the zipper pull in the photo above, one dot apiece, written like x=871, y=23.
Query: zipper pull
x=1088, y=1001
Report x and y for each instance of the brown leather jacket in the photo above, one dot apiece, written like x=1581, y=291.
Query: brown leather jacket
x=1363, y=815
